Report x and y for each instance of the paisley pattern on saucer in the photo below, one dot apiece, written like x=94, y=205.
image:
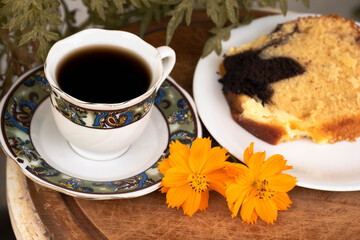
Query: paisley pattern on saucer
x=23, y=100
x=102, y=119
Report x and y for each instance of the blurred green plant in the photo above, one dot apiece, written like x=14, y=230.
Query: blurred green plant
x=30, y=27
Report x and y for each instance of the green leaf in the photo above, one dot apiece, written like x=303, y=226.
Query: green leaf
x=185, y=7
x=25, y=38
x=246, y=4
x=174, y=22
x=209, y=46
x=223, y=17
x=136, y=3
x=99, y=6
x=247, y=19
x=43, y=48
x=51, y=17
x=120, y=5
x=232, y=9
x=270, y=3
x=266, y=3
x=20, y=6
x=37, y=33
x=145, y=22
x=37, y=4
x=51, y=36
x=212, y=10
x=188, y=12
x=283, y=6
x=146, y=3
x=157, y=12
x=214, y=42
x=166, y=2
x=18, y=22
x=306, y=3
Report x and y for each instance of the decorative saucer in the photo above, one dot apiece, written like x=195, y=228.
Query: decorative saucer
x=29, y=136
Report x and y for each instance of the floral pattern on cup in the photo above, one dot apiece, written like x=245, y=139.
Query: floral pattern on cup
x=102, y=119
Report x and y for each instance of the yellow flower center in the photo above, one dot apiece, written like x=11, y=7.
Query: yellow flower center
x=198, y=182
x=263, y=189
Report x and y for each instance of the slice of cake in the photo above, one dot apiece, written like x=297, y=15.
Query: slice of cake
x=301, y=80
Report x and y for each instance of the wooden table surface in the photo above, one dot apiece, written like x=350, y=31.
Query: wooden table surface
x=40, y=213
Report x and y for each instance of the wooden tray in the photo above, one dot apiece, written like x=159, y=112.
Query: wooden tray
x=51, y=215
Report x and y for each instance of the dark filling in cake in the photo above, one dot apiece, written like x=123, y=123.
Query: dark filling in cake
x=247, y=73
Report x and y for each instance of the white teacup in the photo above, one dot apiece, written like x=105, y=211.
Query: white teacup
x=102, y=131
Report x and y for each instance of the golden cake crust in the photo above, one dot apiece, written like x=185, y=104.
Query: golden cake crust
x=331, y=116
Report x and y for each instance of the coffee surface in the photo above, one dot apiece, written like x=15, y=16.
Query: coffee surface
x=103, y=74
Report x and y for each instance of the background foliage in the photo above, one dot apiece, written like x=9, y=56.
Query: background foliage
x=29, y=27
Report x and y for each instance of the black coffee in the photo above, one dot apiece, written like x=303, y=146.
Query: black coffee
x=103, y=74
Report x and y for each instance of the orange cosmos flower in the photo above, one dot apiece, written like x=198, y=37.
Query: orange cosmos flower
x=259, y=188
x=189, y=174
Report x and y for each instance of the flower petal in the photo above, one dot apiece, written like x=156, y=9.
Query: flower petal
x=175, y=177
x=253, y=218
x=282, y=200
x=273, y=165
x=245, y=178
x=164, y=189
x=234, y=208
x=235, y=195
x=248, y=153
x=179, y=156
x=175, y=197
x=198, y=153
x=255, y=163
x=204, y=203
x=164, y=165
x=235, y=191
x=218, y=180
x=216, y=159
x=248, y=207
x=235, y=169
x=192, y=203
x=281, y=182
x=266, y=209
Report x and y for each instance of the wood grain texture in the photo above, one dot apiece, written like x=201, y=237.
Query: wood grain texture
x=26, y=222
x=313, y=214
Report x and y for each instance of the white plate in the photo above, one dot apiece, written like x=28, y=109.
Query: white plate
x=333, y=167
x=29, y=136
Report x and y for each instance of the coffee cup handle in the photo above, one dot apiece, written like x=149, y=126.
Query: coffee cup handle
x=168, y=58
